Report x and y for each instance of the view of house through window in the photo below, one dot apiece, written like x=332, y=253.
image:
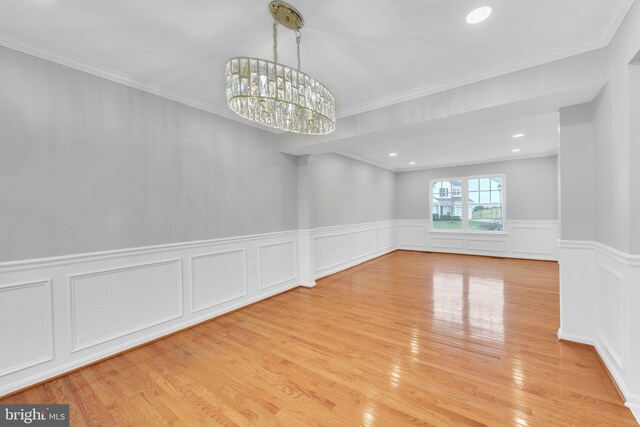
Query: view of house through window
x=447, y=204
x=468, y=204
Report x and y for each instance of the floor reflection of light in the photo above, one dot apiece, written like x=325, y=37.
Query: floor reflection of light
x=415, y=341
x=486, y=307
x=368, y=416
x=448, y=297
x=415, y=348
x=474, y=302
x=396, y=372
x=518, y=378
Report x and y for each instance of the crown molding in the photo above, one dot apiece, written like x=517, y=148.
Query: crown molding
x=486, y=74
x=611, y=25
x=62, y=58
x=363, y=160
x=615, y=20
x=479, y=162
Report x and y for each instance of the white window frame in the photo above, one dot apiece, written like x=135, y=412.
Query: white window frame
x=465, y=203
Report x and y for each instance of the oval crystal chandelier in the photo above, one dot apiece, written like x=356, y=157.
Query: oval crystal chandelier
x=277, y=95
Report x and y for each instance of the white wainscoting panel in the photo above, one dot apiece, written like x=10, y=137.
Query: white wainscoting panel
x=610, y=318
x=520, y=239
x=488, y=245
x=110, y=304
x=95, y=305
x=443, y=242
x=218, y=278
x=386, y=237
x=599, y=286
x=412, y=235
x=26, y=325
x=331, y=251
x=341, y=247
x=364, y=243
x=278, y=263
x=534, y=239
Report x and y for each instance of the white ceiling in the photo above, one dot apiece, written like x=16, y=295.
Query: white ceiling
x=370, y=53
x=464, y=141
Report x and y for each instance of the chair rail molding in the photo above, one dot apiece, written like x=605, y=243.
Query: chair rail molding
x=599, y=285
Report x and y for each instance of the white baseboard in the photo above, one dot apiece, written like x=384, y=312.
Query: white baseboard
x=575, y=338
x=598, y=289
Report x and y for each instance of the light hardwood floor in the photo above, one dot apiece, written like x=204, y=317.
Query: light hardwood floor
x=408, y=338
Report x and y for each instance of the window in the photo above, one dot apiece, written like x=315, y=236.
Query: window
x=447, y=207
x=468, y=204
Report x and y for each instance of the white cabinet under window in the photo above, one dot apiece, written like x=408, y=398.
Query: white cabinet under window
x=468, y=204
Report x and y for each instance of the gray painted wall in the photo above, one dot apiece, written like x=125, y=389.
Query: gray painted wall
x=89, y=165
x=617, y=147
x=346, y=191
x=577, y=199
x=532, y=188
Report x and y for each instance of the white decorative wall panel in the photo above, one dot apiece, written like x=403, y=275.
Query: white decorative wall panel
x=532, y=239
x=109, y=304
x=341, y=247
x=488, y=245
x=446, y=242
x=278, y=263
x=331, y=251
x=25, y=325
x=598, y=288
x=610, y=315
x=363, y=243
x=99, y=304
x=520, y=239
x=410, y=235
x=218, y=278
x=386, y=238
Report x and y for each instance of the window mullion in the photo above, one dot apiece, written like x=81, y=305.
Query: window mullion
x=464, y=203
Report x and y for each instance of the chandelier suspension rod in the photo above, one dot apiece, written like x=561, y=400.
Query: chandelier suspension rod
x=298, y=36
x=275, y=41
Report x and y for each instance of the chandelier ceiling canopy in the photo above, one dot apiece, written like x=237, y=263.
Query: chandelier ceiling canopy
x=277, y=95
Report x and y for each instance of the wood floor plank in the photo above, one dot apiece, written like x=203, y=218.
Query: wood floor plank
x=409, y=338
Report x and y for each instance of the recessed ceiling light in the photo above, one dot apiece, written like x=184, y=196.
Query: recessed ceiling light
x=517, y=150
x=412, y=163
x=393, y=154
x=479, y=15
x=518, y=135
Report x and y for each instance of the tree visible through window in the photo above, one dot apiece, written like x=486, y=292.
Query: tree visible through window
x=468, y=204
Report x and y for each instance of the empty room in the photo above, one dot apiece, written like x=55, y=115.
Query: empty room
x=319, y=213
